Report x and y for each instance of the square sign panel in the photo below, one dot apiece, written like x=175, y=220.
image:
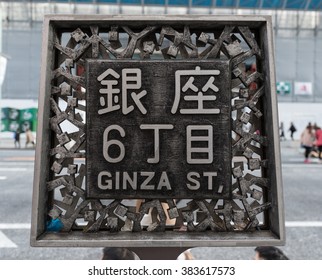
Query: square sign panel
x=158, y=129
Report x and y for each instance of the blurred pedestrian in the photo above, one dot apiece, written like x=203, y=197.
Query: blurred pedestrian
x=282, y=134
x=269, y=253
x=17, y=138
x=186, y=255
x=318, y=141
x=111, y=253
x=292, y=129
x=29, y=138
x=307, y=140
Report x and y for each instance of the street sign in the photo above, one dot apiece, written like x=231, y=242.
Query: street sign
x=283, y=88
x=153, y=133
x=303, y=88
x=168, y=134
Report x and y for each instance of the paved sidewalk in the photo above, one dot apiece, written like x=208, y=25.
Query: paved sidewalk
x=291, y=152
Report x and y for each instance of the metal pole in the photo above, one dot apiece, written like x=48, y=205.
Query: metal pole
x=212, y=6
x=189, y=6
x=166, y=5
x=297, y=54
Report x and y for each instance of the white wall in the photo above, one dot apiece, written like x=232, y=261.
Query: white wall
x=19, y=103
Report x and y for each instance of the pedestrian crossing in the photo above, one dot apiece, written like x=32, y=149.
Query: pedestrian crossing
x=13, y=169
x=5, y=242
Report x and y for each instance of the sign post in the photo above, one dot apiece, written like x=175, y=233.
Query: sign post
x=153, y=133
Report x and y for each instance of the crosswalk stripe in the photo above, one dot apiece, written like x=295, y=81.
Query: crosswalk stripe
x=13, y=169
x=301, y=165
x=14, y=226
x=15, y=163
x=19, y=159
x=304, y=224
x=5, y=242
x=3, y=177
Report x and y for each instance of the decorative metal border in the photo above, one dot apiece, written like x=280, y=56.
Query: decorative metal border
x=63, y=216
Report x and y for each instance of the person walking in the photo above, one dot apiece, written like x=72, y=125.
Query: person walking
x=292, y=129
x=318, y=141
x=29, y=138
x=282, y=134
x=307, y=140
x=17, y=138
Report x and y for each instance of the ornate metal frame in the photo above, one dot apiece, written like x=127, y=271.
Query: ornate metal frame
x=63, y=215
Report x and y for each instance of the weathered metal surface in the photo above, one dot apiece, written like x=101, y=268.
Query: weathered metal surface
x=63, y=189
x=167, y=153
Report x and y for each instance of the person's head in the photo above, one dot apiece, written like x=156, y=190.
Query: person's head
x=269, y=253
x=110, y=253
x=309, y=127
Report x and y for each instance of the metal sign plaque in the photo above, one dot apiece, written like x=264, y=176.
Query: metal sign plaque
x=158, y=129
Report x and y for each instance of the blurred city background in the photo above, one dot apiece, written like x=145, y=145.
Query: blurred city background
x=298, y=49
x=298, y=56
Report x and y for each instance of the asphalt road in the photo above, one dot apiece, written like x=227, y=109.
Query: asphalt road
x=302, y=187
